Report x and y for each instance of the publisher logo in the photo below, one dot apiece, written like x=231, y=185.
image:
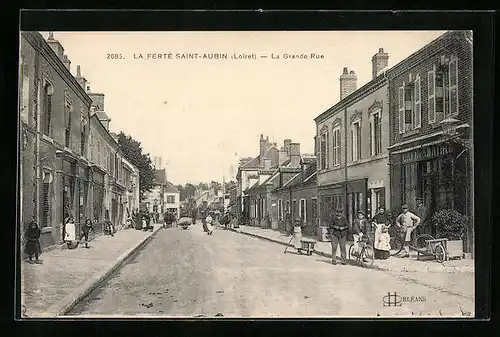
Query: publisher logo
x=395, y=300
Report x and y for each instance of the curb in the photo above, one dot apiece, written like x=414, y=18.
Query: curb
x=437, y=269
x=70, y=301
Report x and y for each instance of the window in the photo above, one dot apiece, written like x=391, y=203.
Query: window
x=453, y=71
x=280, y=210
x=356, y=140
x=408, y=107
x=375, y=133
x=314, y=209
x=46, y=118
x=336, y=146
x=287, y=206
x=303, y=211
x=67, y=123
x=295, y=210
x=442, y=93
x=83, y=134
x=417, y=113
x=431, y=102
x=170, y=199
x=401, y=109
x=323, y=149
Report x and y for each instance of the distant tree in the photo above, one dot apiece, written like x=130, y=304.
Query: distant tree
x=203, y=186
x=189, y=190
x=132, y=150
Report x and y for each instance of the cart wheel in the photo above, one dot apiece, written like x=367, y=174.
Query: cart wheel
x=440, y=253
x=350, y=252
x=396, y=245
x=367, y=256
x=420, y=240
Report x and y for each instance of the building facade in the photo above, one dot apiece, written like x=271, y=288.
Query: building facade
x=132, y=196
x=431, y=93
x=351, y=147
x=172, y=199
x=54, y=129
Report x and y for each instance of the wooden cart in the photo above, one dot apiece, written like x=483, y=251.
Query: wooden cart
x=435, y=247
x=307, y=246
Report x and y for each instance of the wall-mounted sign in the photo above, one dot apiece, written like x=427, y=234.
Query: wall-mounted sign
x=427, y=152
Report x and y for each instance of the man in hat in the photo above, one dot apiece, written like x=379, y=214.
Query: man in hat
x=408, y=221
x=422, y=213
x=338, y=231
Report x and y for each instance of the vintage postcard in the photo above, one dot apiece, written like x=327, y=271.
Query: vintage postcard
x=246, y=174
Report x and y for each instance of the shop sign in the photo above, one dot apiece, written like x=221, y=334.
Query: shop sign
x=427, y=152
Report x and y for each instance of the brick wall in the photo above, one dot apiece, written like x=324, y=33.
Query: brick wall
x=421, y=63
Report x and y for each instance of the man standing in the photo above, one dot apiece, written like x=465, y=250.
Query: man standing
x=422, y=213
x=338, y=232
x=409, y=222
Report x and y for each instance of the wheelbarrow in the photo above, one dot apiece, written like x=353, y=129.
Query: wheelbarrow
x=435, y=247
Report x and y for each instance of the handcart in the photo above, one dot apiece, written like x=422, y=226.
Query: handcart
x=435, y=247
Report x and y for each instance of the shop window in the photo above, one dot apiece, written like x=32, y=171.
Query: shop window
x=356, y=140
x=336, y=146
x=355, y=203
x=375, y=133
x=303, y=211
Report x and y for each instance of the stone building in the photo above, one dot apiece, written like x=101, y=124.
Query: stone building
x=351, y=146
x=432, y=113
x=54, y=129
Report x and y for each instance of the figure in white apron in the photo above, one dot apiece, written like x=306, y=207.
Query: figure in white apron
x=382, y=239
x=70, y=232
x=210, y=226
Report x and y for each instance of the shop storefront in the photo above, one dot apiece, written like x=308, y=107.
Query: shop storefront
x=331, y=197
x=437, y=173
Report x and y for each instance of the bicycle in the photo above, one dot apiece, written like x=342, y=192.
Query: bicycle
x=365, y=254
x=397, y=243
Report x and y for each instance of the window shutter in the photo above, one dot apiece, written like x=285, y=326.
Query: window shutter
x=401, y=109
x=339, y=142
x=453, y=71
x=418, y=104
x=327, y=146
x=371, y=136
x=431, y=101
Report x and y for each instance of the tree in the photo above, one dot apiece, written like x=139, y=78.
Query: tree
x=132, y=150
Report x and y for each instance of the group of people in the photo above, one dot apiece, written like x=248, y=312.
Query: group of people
x=378, y=227
x=210, y=220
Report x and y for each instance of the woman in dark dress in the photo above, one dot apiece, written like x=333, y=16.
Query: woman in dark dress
x=86, y=229
x=32, y=236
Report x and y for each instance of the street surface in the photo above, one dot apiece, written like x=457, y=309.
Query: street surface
x=186, y=273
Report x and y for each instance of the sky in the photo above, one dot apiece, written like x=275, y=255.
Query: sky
x=202, y=115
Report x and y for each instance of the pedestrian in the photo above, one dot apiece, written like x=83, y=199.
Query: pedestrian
x=70, y=233
x=360, y=228
x=408, y=221
x=157, y=217
x=32, y=246
x=193, y=215
x=338, y=231
x=209, y=224
x=86, y=229
x=288, y=223
x=381, y=242
x=423, y=214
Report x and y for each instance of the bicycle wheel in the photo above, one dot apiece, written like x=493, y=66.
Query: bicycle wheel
x=419, y=241
x=350, y=252
x=396, y=245
x=367, y=256
x=440, y=253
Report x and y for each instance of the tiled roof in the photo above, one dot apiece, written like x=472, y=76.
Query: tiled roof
x=171, y=188
x=254, y=163
x=291, y=180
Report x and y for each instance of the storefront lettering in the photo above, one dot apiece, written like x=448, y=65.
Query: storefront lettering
x=426, y=153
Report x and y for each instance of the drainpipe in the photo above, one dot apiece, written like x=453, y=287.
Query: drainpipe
x=345, y=162
x=37, y=138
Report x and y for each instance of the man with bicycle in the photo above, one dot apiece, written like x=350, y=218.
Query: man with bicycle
x=408, y=222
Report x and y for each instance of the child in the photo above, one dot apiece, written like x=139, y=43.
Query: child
x=32, y=236
x=210, y=226
x=69, y=233
x=359, y=228
x=87, y=227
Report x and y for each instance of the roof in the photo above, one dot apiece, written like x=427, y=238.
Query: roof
x=292, y=180
x=171, y=188
x=254, y=163
x=160, y=177
x=102, y=116
x=308, y=159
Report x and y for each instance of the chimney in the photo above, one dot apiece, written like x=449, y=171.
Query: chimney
x=282, y=157
x=80, y=79
x=262, y=149
x=56, y=46
x=67, y=62
x=348, y=83
x=295, y=154
x=286, y=145
x=379, y=61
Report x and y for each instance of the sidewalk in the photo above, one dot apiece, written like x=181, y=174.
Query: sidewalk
x=393, y=264
x=65, y=276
